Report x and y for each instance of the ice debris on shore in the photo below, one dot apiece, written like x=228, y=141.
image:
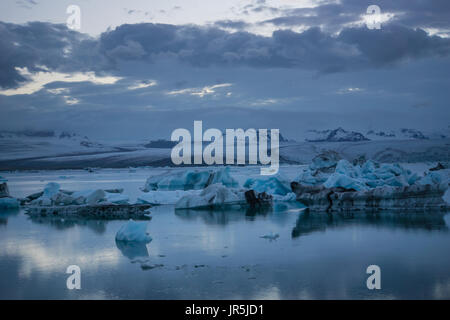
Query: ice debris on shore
x=133, y=231
x=190, y=180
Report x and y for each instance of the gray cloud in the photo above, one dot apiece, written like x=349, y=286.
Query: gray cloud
x=332, y=17
x=58, y=48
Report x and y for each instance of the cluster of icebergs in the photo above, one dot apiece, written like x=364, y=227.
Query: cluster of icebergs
x=332, y=173
x=210, y=189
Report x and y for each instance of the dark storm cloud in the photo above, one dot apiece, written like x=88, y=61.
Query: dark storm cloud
x=60, y=49
x=37, y=45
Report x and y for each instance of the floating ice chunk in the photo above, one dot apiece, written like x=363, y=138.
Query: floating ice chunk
x=190, y=180
x=133, y=231
x=90, y=196
x=213, y=196
x=51, y=189
x=117, y=198
x=271, y=185
x=3, y=179
x=341, y=180
x=9, y=203
x=271, y=236
x=164, y=197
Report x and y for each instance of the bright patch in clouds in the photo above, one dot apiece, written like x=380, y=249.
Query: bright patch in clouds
x=200, y=92
x=350, y=90
x=38, y=80
x=143, y=84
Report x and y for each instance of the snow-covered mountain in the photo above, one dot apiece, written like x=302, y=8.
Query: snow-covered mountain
x=336, y=135
x=34, y=144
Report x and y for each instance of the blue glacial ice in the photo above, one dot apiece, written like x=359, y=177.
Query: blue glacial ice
x=133, y=231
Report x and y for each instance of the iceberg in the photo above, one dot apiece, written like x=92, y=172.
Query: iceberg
x=190, y=180
x=275, y=185
x=117, y=198
x=133, y=231
x=9, y=203
x=164, y=197
x=341, y=180
x=213, y=196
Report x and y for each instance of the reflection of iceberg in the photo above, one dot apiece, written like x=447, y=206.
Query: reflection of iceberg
x=132, y=250
x=309, y=222
x=5, y=214
x=221, y=217
x=98, y=226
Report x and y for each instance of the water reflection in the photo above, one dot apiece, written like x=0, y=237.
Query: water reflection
x=98, y=226
x=309, y=222
x=229, y=215
x=5, y=214
x=132, y=250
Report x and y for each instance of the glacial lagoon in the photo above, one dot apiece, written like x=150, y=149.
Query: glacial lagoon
x=221, y=254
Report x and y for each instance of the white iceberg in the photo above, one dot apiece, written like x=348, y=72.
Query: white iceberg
x=190, y=180
x=164, y=197
x=133, y=231
x=213, y=196
x=117, y=198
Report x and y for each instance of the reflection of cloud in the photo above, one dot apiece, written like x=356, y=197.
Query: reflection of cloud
x=442, y=290
x=36, y=256
x=271, y=293
x=200, y=92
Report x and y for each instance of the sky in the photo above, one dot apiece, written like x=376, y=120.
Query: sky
x=139, y=69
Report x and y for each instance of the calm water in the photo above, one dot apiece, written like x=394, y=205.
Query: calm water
x=221, y=255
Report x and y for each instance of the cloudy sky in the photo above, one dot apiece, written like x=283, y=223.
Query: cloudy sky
x=141, y=68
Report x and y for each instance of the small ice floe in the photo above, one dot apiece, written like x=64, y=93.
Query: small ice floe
x=133, y=231
x=271, y=236
x=6, y=201
x=9, y=203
